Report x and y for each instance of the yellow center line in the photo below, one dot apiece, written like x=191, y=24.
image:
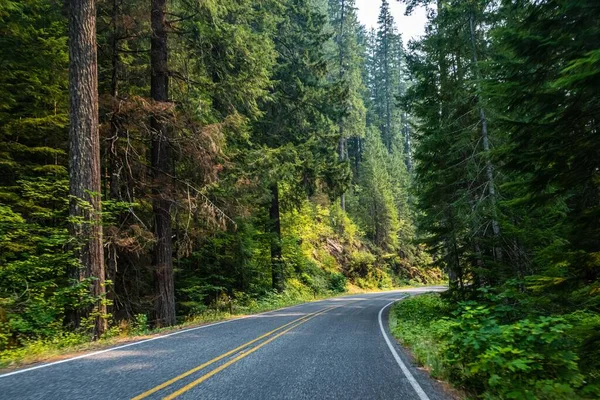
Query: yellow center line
x=230, y=352
x=228, y=363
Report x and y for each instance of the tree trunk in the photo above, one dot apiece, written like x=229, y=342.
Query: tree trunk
x=85, y=204
x=113, y=156
x=407, y=144
x=275, y=230
x=342, y=159
x=357, y=157
x=161, y=204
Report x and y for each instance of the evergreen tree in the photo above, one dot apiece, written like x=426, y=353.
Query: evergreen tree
x=386, y=76
x=453, y=168
x=299, y=142
x=544, y=69
x=345, y=67
x=376, y=196
x=34, y=182
x=85, y=206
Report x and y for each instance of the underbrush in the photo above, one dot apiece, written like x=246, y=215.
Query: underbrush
x=496, y=349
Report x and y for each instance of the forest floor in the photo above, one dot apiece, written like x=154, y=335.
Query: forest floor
x=74, y=344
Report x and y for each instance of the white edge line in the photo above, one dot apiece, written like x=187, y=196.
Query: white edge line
x=411, y=379
x=95, y=353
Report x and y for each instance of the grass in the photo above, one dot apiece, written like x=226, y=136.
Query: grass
x=416, y=322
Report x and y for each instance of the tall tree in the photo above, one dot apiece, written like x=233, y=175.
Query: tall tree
x=543, y=74
x=346, y=69
x=379, y=213
x=449, y=183
x=387, y=74
x=298, y=143
x=84, y=161
x=161, y=166
x=483, y=120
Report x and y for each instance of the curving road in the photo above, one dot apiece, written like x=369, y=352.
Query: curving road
x=338, y=348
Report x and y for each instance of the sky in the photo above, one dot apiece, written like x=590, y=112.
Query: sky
x=411, y=27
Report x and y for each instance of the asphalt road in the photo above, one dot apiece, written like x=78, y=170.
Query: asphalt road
x=331, y=349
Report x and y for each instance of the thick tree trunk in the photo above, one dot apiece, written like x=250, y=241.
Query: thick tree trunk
x=161, y=205
x=84, y=162
x=275, y=230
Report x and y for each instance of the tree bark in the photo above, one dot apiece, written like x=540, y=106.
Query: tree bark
x=161, y=205
x=342, y=159
x=114, y=163
x=85, y=204
x=275, y=230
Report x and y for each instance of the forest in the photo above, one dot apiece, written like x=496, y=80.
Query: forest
x=168, y=162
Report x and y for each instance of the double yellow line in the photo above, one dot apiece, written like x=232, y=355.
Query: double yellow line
x=282, y=330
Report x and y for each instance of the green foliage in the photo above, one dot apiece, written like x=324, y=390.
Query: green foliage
x=362, y=269
x=532, y=354
x=377, y=209
x=489, y=349
x=418, y=323
x=35, y=263
x=502, y=99
x=337, y=282
x=140, y=324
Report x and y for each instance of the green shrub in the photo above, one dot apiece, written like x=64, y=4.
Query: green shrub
x=527, y=359
x=487, y=349
x=337, y=282
x=362, y=264
x=141, y=324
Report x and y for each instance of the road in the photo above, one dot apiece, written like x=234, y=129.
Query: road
x=338, y=348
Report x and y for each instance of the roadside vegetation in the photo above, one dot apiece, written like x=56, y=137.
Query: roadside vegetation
x=498, y=347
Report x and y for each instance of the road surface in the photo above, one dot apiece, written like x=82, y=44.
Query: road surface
x=338, y=348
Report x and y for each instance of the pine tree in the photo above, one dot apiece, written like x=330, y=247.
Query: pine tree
x=376, y=196
x=34, y=186
x=386, y=75
x=345, y=68
x=84, y=153
x=451, y=181
x=299, y=142
x=544, y=67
